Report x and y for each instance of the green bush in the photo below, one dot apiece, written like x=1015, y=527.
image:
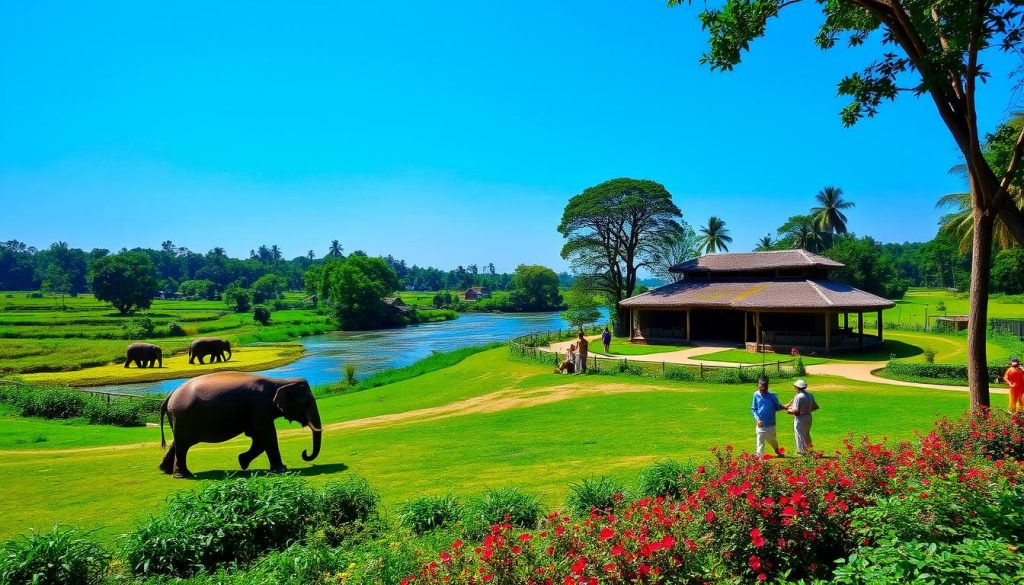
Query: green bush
x=496, y=506
x=350, y=374
x=680, y=374
x=951, y=372
x=424, y=514
x=124, y=412
x=968, y=562
x=799, y=369
x=232, y=521
x=63, y=556
x=594, y=496
x=666, y=478
x=138, y=328
x=53, y=403
x=175, y=330
x=261, y=314
x=929, y=355
x=349, y=500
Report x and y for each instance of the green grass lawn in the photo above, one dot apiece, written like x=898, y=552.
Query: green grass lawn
x=622, y=346
x=484, y=422
x=911, y=309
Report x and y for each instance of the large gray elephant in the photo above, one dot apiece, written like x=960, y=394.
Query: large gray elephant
x=144, y=355
x=209, y=346
x=216, y=407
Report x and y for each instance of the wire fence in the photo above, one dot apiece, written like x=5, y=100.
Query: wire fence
x=535, y=347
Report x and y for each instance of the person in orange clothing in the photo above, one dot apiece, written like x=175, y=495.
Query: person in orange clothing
x=1014, y=376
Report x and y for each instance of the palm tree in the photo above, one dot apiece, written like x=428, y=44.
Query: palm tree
x=218, y=252
x=335, y=249
x=275, y=252
x=959, y=223
x=801, y=231
x=765, y=244
x=310, y=255
x=829, y=216
x=714, y=236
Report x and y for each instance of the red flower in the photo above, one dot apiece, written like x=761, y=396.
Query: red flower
x=457, y=545
x=606, y=533
x=579, y=565
x=445, y=557
x=710, y=516
x=755, y=563
x=755, y=538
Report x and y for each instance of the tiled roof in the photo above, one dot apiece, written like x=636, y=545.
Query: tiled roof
x=758, y=294
x=751, y=261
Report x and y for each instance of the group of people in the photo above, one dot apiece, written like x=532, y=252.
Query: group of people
x=766, y=404
x=576, y=356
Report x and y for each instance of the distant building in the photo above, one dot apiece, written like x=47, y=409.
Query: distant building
x=474, y=293
x=397, y=304
x=768, y=301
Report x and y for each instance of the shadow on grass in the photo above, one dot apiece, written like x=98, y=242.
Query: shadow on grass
x=310, y=471
x=890, y=349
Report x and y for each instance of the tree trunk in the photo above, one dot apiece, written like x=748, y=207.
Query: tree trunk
x=977, y=327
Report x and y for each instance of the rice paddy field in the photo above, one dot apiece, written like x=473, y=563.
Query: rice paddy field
x=83, y=342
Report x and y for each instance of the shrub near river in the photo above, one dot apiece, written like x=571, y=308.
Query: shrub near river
x=946, y=508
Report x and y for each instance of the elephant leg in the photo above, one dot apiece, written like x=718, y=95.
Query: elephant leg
x=191, y=358
x=138, y=363
x=273, y=451
x=167, y=465
x=181, y=462
x=244, y=459
x=127, y=362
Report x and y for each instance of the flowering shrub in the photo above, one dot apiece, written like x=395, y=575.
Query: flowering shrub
x=758, y=519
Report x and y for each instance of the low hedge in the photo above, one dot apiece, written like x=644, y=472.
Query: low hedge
x=58, y=402
x=950, y=372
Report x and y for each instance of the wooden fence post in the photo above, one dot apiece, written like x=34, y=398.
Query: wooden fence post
x=702, y=370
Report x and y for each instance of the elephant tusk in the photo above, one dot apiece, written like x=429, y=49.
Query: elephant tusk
x=314, y=429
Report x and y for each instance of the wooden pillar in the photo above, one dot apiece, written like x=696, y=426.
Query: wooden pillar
x=846, y=320
x=757, y=331
x=634, y=324
x=688, y=336
x=860, y=328
x=879, y=326
x=746, y=327
x=828, y=333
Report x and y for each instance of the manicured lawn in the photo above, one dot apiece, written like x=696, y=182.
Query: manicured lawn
x=622, y=346
x=742, y=356
x=911, y=309
x=485, y=422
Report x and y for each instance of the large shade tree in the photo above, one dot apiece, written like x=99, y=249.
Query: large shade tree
x=125, y=281
x=933, y=48
x=615, y=229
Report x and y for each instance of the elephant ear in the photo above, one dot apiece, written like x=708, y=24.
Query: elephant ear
x=282, y=396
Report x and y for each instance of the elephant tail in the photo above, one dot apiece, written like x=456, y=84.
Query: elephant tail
x=163, y=411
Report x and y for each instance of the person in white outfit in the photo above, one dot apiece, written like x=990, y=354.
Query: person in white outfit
x=764, y=406
x=801, y=407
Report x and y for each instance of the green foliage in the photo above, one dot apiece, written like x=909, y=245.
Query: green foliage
x=124, y=280
x=195, y=290
x=56, y=282
x=1007, y=276
x=436, y=361
x=124, y=412
x=232, y=521
x=929, y=355
x=138, y=328
x=237, y=297
x=937, y=373
x=799, y=369
x=502, y=505
x=174, y=329
x=940, y=307
x=666, y=478
x=63, y=556
x=427, y=513
x=583, y=308
x=867, y=266
x=261, y=314
x=594, y=496
x=969, y=562
x=621, y=219
x=268, y=287
x=348, y=500
x=52, y=403
x=350, y=374
x=714, y=237
x=535, y=288
x=355, y=289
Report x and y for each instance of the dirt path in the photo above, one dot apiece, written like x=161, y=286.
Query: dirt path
x=860, y=371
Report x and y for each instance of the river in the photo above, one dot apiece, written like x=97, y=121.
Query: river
x=373, y=351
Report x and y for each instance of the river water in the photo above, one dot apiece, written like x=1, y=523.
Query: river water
x=373, y=351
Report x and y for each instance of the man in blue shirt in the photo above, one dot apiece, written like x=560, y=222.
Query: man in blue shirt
x=764, y=407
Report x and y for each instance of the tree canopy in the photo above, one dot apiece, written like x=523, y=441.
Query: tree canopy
x=125, y=281
x=614, y=229
x=355, y=288
x=535, y=288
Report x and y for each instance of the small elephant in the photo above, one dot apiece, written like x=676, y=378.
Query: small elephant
x=216, y=407
x=209, y=346
x=145, y=355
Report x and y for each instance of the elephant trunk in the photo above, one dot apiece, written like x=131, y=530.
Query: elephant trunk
x=315, y=426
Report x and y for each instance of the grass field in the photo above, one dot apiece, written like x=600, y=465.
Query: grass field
x=484, y=422
x=911, y=309
x=79, y=345
x=622, y=346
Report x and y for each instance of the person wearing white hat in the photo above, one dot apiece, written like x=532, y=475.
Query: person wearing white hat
x=801, y=407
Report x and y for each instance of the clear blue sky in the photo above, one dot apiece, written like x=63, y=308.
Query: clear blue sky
x=443, y=133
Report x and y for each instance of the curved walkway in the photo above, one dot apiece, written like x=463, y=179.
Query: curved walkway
x=859, y=371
